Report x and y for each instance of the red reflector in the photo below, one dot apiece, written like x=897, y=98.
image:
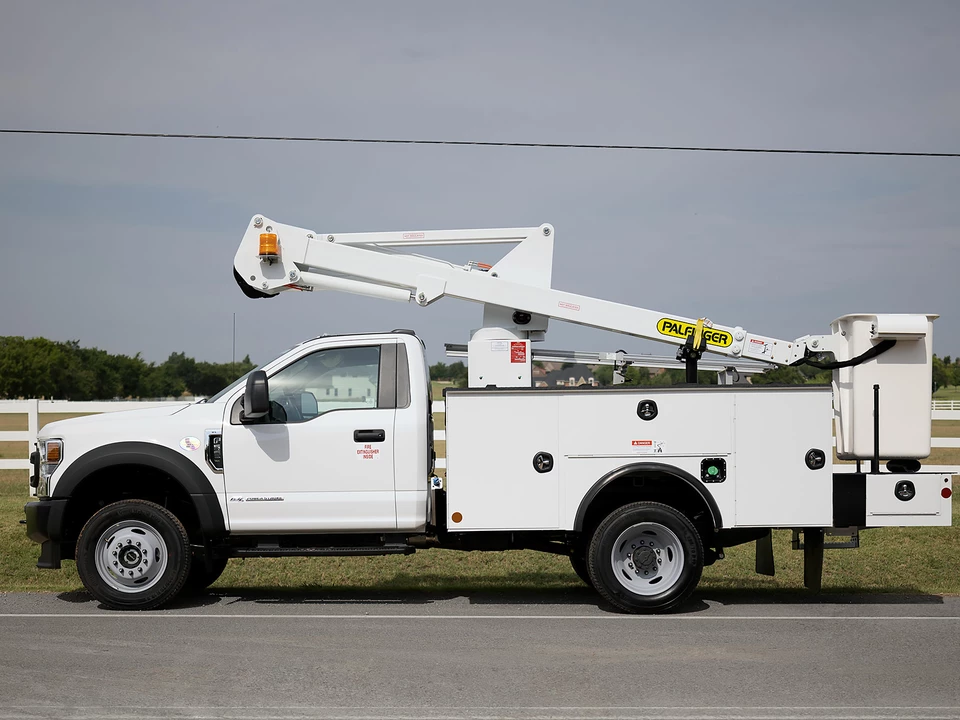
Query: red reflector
x=946, y=492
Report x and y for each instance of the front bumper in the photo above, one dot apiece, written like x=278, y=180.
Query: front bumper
x=45, y=526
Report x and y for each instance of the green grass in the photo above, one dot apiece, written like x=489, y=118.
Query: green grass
x=950, y=392
x=897, y=560
x=437, y=387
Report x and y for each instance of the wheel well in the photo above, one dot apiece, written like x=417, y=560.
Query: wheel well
x=655, y=486
x=126, y=482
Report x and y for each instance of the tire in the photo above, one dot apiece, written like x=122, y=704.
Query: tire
x=645, y=557
x=201, y=577
x=154, y=555
x=579, y=562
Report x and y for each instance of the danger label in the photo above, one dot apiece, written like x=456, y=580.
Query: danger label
x=683, y=330
x=642, y=443
x=518, y=352
x=760, y=347
x=368, y=452
x=646, y=446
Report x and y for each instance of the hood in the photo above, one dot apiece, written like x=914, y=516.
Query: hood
x=108, y=419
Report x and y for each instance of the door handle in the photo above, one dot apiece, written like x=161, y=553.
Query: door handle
x=369, y=436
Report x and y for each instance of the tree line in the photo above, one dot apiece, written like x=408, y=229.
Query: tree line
x=946, y=371
x=41, y=368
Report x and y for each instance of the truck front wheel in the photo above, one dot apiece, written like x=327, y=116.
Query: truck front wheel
x=645, y=557
x=133, y=555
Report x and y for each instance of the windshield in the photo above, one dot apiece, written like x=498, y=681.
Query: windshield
x=231, y=386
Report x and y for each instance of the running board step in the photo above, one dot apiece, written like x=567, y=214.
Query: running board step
x=275, y=551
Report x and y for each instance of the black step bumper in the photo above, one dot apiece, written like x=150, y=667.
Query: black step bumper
x=45, y=526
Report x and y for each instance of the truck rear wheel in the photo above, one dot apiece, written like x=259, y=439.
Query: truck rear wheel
x=645, y=557
x=133, y=555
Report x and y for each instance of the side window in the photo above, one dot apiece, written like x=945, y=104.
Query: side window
x=333, y=379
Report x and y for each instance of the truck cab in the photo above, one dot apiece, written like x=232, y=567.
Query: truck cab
x=344, y=445
x=338, y=464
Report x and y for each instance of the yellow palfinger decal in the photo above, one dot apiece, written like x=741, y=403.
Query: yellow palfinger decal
x=682, y=330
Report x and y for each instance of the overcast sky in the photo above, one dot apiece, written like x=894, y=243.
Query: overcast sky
x=128, y=244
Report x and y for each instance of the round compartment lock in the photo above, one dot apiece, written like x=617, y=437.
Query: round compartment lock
x=543, y=462
x=905, y=490
x=647, y=409
x=815, y=458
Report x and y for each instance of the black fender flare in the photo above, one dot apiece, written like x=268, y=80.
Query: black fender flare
x=189, y=476
x=639, y=468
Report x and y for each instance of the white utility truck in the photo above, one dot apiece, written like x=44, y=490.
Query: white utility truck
x=328, y=449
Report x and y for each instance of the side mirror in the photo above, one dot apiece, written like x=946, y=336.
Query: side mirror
x=256, y=397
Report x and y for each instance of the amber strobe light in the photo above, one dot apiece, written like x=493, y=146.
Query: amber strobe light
x=269, y=247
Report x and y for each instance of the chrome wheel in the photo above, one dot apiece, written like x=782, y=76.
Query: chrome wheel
x=131, y=556
x=647, y=558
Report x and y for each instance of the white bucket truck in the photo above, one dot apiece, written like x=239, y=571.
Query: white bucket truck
x=328, y=449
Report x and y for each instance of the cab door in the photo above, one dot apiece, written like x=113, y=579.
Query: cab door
x=323, y=458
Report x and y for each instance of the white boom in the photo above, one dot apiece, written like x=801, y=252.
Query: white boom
x=366, y=264
x=518, y=302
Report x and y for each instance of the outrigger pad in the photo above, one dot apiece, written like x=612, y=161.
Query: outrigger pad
x=813, y=558
x=765, y=564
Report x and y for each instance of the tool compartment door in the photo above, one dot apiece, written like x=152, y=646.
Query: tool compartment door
x=775, y=429
x=492, y=439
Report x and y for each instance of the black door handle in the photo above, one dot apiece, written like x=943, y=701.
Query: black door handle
x=369, y=436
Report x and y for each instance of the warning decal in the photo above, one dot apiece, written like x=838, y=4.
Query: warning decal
x=682, y=330
x=646, y=446
x=518, y=352
x=760, y=347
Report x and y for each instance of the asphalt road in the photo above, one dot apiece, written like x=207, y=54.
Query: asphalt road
x=480, y=656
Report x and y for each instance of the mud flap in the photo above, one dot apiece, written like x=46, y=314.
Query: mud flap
x=813, y=558
x=765, y=555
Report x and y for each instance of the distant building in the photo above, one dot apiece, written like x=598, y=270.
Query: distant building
x=573, y=376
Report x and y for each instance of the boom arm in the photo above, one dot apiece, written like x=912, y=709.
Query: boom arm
x=518, y=303
x=515, y=292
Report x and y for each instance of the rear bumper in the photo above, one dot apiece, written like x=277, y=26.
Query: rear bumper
x=45, y=526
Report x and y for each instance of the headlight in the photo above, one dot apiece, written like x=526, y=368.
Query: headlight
x=51, y=453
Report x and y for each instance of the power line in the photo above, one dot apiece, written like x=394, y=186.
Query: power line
x=477, y=143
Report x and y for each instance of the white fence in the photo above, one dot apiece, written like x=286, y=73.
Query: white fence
x=34, y=408
x=948, y=405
